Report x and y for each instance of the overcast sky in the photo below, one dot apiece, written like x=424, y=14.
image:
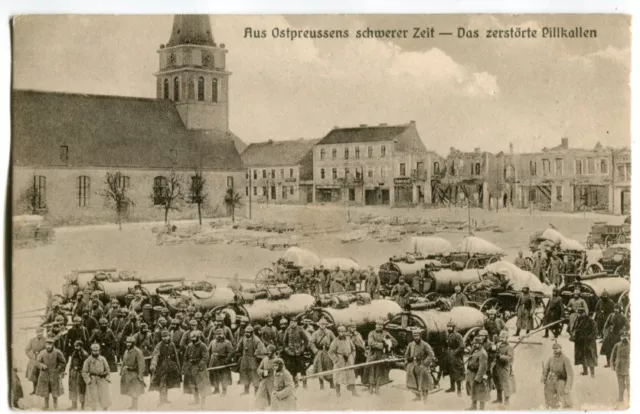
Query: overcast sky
x=464, y=93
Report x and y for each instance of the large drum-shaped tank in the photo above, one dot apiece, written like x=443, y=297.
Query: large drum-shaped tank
x=259, y=310
x=444, y=281
x=591, y=289
x=117, y=290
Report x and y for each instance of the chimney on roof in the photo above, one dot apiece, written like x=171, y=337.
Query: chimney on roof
x=564, y=143
x=363, y=125
x=383, y=124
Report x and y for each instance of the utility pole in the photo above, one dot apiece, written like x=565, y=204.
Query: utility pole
x=250, y=193
x=469, y=212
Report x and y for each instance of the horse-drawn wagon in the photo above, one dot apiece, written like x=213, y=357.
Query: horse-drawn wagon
x=604, y=234
x=287, y=268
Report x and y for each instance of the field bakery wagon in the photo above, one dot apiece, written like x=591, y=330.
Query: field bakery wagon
x=287, y=268
x=604, y=234
x=615, y=260
x=473, y=253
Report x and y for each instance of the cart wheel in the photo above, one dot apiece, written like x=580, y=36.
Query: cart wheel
x=491, y=303
x=593, y=268
x=529, y=263
x=432, y=297
x=607, y=241
x=623, y=300
x=621, y=239
x=589, y=242
x=494, y=259
x=627, y=312
x=467, y=340
x=436, y=374
x=265, y=277
x=538, y=314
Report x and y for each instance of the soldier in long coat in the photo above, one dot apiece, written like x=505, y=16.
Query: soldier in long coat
x=343, y=354
x=107, y=341
x=575, y=303
x=132, y=373
x=538, y=266
x=176, y=332
x=454, y=362
x=250, y=350
x=493, y=324
x=165, y=368
x=358, y=342
x=520, y=262
x=269, y=333
x=613, y=327
x=96, y=372
x=584, y=337
x=221, y=354
x=337, y=282
x=554, y=312
x=372, y=283
x=380, y=344
x=503, y=377
x=32, y=350
x=77, y=386
x=620, y=362
x=51, y=364
x=144, y=341
x=89, y=321
x=554, y=270
x=194, y=369
x=265, y=371
x=604, y=308
x=284, y=398
x=525, y=308
x=420, y=357
x=458, y=298
x=76, y=333
x=401, y=293
x=477, y=380
x=295, y=343
x=319, y=343
x=557, y=377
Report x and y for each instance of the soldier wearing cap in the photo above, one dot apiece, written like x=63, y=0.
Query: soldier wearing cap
x=176, y=332
x=419, y=356
x=117, y=326
x=583, y=336
x=620, y=363
x=575, y=303
x=283, y=324
x=525, y=307
x=380, y=345
x=458, y=298
x=520, y=262
x=554, y=312
x=132, y=373
x=613, y=327
x=295, y=343
x=250, y=350
x=269, y=333
x=130, y=326
x=307, y=326
x=137, y=300
x=107, y=341
x=79, y=305
x=95, y=306
x=337, y=281
x=165, y=368
x=33, y=349
x=194, y=369
x=76, y=333
x=343, y=354
x=604, y=307
x=283, y=397
x=209, y=326
x=221, y=351
x=95, y=372
x=454, y=362
x=266, y=370
x=51, y=364
x=557, y=377
x=319, y=343
x=161, y=325
x=113, y=310
x=477, y=383
x=89, y=321
x=494, y=325
x=358, y=342
x=372, y=283
x=219, y=324
x=401, y=292
x=54, y=313
x=503, y=377
x=144, y=341
x=242, y=322
x=77, y=386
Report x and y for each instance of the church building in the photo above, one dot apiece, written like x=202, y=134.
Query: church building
x=64, y=144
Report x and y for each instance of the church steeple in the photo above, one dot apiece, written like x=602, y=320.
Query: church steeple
x=193, y=74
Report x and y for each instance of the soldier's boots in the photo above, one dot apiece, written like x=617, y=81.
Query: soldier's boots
x=224, y=391
x=353, y=390
x=453, y=386
x=304, y=384
x=246, y=390
x=338, y=390
x=498, y=400
x=321, y=384
x=216, y=390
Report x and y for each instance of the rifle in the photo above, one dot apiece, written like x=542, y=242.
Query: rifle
x=542, y=328
x=222, y=367
x=364, y=364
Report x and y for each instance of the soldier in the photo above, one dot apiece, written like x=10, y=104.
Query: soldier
x=200, y=319
x=525, y=308
x=520, y=262
x=454, y=358
x=219, y=324
x=58, y=334
x=243, y=322
x=147, y=314
x=165, y=368
x=221, y=351
x=337, y=281
x=161, y=325
x=77, y=386
x=295, y=343
x=269, y=333
x=175, y=331
x=575, y=303
x=503, y=378
x=584, y=338
x=458, y=298
x=107, y=341
x=235, y=284
x=343, y=354
x=95, y=372
x=95, y=307
x=380, y=345
x=53, y=314
x=325, y=279
x=538, y=266
x=319, y=344
x=117, y=326
x=80, y=305
x=568, y=266
x=419, y=356
x=194, y=369
x=76, y=333
x=351, y=280
x=554, y=270
x=401, y=292
x=131, y=326
x=283, y=398
x=604, y=308
x=34, y=347
x=372, y=283
x=307, y=327
x=132, y=373
x=137, y=300
x=477, y=380
x=266, y=370
x=89, y=321
x=358, y=342
x=257, y=331
x=114, y=310
x=554, y=312
x=620, y=363
x=51, y=364
x=494, y=325
x=557, y=377
x=209, y=326
x=282, y=329
x=250, y=350
x=613, y=327
x=184, y=342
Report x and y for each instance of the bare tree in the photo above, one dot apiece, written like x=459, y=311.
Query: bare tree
x=116, y=194
x=232, y=200
x=168, y=194
x=197, y=195
x=28, y=201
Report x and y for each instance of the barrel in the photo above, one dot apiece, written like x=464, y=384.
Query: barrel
x=615, y=286
x=219, y=296
x=259, y=310
x=117, y=290
x=445, y=280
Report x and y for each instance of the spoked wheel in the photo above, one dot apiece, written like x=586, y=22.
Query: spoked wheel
x=529, y=263
x=608, y=241
x=622, y=239
x=589, y=242
x=265, y=277
x=436, y=374
x=593, y=268
x=538, y=313
x=491, y=303
x=467, y=339
x=623, y=301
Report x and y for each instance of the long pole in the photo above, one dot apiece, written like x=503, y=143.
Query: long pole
x=250, y=193
x=364, y=364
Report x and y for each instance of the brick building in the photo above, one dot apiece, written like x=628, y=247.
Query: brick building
x=621, y=188
x=63, y=144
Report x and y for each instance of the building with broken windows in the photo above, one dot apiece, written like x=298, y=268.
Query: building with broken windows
x=621, y=188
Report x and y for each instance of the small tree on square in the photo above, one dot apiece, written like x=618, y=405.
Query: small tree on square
x=232, y=200
x=167, y=192
x=197, y=195
x=115, y=194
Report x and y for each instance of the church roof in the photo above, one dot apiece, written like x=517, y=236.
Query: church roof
x=191, y=29
x=405, y=137
x=112, y=131
x=274, y=153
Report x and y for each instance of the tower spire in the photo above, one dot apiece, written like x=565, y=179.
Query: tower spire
x=191, y=29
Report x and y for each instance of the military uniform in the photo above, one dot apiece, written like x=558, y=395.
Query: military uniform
x=557, y=376
x=419, y=358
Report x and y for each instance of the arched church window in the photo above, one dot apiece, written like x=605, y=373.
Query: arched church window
x=214, y=90
x=165, y=87
x=191, y=90
x=176, y=89
x=201, y=88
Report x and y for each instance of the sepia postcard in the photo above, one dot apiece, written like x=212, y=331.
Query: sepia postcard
x=320, y=212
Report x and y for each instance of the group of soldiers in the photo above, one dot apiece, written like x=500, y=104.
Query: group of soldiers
x=548, y=266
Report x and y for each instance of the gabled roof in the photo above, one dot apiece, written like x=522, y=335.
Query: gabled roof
x=275, y=153
x=406, y=136
x=112, y=131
